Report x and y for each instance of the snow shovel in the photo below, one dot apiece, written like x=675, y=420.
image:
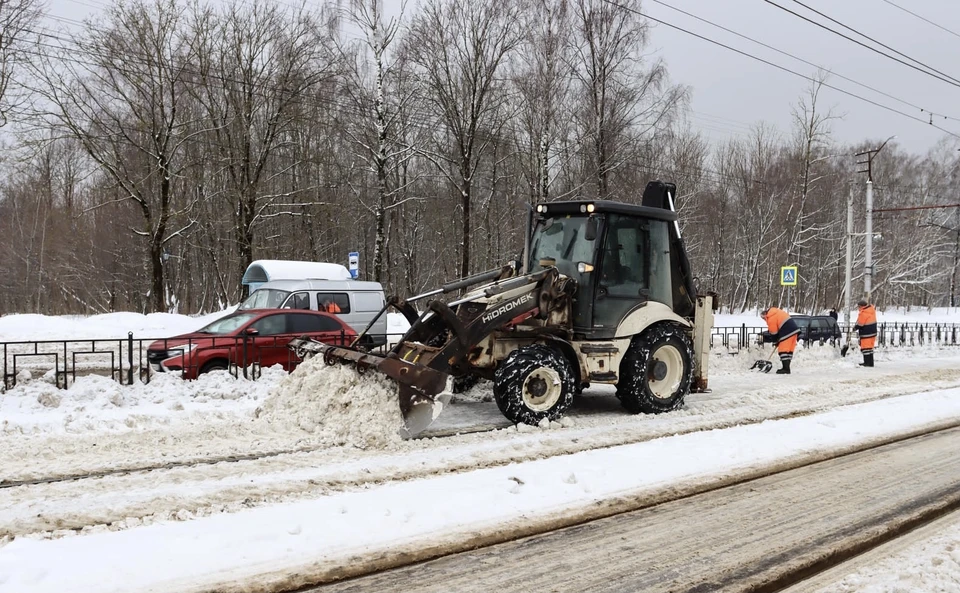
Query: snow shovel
x=764, y=366
x=846, y=347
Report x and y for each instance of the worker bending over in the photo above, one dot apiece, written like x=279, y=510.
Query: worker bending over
x=783, y=331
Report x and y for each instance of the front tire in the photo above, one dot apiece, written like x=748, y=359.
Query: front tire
x=657, y=370
x=534, y=382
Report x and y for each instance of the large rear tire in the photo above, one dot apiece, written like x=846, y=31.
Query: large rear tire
x=657, y=370
x=534, y=382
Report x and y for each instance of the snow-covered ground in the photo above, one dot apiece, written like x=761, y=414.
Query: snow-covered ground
x=926, y=561
x=315, y=536
x=228, y=479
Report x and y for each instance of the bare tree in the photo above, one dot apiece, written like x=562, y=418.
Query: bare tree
x=625, y=98
x=256, y=66
x=377, y=129
x=542, y=77
x=17, y=19
x=127, y=105
x=460, y=48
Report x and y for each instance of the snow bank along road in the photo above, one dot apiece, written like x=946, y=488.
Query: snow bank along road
x=755, y=536
x=284, y=546
x=55, y=485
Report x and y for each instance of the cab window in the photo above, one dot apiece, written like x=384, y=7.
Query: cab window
x=298, y=300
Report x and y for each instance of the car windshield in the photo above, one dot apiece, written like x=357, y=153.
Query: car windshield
x=265, y=298
x=226, y=325
x=561, y=238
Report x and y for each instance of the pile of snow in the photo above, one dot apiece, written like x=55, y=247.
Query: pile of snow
x=31, y=327
x=336, y=406
x=98, y=404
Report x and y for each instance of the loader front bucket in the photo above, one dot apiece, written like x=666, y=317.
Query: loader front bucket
x=420, y=387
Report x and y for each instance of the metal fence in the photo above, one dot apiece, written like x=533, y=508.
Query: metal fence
x=131, y=359
x=894, y=335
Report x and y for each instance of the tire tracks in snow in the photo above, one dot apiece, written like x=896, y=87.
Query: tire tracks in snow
x=121, y=498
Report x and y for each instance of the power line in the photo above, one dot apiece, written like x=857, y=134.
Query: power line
x=881, y=44
x=779, y=67
x=922, y=18
x=807, y=62
x=862, y=44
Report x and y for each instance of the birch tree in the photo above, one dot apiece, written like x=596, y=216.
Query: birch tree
x=461, y=48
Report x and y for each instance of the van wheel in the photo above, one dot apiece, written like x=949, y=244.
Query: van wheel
x=534, y=382
x=657, y=370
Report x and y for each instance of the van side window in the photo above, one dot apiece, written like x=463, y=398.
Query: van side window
x=368, y=301
x=298, y=300
x=333, y=302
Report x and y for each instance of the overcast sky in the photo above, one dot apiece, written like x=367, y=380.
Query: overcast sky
x=731, y=92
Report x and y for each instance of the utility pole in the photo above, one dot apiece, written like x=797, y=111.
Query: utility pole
x=849, y=267
x=868, y=256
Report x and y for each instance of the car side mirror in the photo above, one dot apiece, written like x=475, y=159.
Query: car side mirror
x=590, y=234
x=252, y=331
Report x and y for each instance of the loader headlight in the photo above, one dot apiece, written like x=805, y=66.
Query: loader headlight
x=590, y=208
x=583, y=267
x=541, y=208
x=583, y=207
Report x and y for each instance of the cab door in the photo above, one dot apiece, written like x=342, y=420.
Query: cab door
x=634, y=268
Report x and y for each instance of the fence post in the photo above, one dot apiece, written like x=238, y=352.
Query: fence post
x=130, y=358
x=244, y=355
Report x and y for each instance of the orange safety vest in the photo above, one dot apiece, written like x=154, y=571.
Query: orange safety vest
x=867, y=327
x=333, y=307
x=784, y=329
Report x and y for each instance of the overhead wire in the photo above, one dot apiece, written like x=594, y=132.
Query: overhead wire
x=880, y=43
x=807, y=62
x=780, y=67
x=922, y=18
x=947, y=80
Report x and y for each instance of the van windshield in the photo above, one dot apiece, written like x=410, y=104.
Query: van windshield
x=265, y=298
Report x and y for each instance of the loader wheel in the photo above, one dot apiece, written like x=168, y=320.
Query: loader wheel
x=656, y=371
x=534, y=382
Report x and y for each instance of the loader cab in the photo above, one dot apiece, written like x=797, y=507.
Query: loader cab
x=621, y=255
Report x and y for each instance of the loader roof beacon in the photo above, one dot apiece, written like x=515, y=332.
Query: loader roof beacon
x=605, y=295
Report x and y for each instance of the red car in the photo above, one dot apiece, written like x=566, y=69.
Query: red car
x=264, y=332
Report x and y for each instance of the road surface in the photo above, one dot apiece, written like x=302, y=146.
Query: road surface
x=756, y=536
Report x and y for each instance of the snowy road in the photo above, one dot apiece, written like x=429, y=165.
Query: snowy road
x=124, y=500
x=736, y=539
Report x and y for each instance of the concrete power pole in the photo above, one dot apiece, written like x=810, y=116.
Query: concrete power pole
x=868, y=256
x=849, y=268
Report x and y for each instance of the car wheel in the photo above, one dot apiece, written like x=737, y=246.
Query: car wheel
x=214, y=365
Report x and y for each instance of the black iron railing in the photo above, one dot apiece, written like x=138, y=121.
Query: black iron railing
x=130, y=359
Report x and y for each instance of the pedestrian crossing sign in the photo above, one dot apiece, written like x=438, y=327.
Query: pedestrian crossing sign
x=788, y=276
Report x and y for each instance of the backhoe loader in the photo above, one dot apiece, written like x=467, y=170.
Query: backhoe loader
x=604, y=294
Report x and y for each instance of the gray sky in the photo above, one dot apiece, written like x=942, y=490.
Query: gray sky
x=731, y=92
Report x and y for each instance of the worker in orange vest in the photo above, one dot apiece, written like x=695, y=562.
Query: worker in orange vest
x=330, y=306
x=867, y=327
x=783, y=331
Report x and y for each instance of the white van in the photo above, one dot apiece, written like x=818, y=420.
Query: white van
x=355, y=302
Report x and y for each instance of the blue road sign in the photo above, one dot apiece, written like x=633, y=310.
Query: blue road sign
x=788, y=276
